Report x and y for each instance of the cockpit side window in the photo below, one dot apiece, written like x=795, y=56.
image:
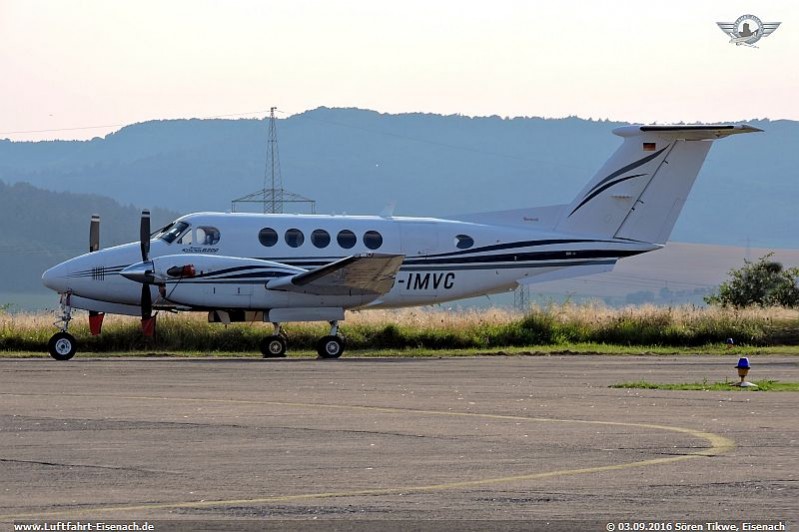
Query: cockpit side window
x=173, y=231
x=186, y=238
x=205, y=235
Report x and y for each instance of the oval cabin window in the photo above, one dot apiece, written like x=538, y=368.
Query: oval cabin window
x=346, y=239
x=294, y=238
x=372, y=239
x=320, y=238
x=268, y=237
x=464, y=241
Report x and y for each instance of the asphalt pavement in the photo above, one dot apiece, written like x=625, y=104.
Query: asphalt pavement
x=485, y=439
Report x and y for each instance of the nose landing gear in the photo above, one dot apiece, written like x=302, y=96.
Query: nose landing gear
x=62, y=345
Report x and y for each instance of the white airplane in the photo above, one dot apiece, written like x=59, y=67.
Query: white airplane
x=281, y=268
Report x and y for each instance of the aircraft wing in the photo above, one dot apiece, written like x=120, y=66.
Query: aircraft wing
x=367, y=274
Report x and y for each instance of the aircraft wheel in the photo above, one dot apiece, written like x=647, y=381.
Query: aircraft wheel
x=273, y=346
x=330, y=347
x=62, y=346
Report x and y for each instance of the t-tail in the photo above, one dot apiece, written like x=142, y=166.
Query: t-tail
x=639, y=192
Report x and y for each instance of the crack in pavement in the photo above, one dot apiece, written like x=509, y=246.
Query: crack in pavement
x=92, y=466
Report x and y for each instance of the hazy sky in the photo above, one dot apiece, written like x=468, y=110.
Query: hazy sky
x=75, y=64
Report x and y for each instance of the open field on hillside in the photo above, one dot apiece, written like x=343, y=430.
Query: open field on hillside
x=572, y=328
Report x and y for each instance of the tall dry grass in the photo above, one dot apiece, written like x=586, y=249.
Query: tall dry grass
x=434, y=329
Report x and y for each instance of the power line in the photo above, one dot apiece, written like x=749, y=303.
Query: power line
x=272, y=198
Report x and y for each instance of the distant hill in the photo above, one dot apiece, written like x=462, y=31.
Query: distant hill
x=40, y=228
x=678, y=274
x=357, y=161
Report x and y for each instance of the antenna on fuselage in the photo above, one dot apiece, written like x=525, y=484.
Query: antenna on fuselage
x=273, y=196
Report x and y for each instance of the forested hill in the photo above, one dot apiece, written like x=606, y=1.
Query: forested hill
x=358, y=161
x=41, y=228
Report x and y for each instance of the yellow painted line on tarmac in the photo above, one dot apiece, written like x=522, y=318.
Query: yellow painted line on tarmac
x=717, y=445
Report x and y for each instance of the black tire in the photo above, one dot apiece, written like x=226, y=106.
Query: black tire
x=330, y=346
x=273, y=346
x=62, y=346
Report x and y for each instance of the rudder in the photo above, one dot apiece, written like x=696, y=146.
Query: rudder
x=640, y=191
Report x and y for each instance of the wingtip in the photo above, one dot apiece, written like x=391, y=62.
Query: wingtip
x=750, y=129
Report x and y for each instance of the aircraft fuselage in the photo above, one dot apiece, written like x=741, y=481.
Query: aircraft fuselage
x=444, y=260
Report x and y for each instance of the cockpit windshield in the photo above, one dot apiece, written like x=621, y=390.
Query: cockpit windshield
x=172, y=231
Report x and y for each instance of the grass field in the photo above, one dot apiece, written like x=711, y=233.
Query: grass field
x=762, y=386
x=554, y=329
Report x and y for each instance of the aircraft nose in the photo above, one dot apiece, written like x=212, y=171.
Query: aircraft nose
x=55, y=278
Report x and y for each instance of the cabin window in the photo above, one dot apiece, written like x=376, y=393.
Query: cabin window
x=172, y=231
x=346, y=239
x=206, y=235
x=294, y=238
x=267, y=236
x=372, y=239
x=320, y=238
x=464, y=241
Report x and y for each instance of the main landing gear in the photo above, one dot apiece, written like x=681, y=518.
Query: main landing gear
x=62, y=345
x=330, y=346
x=274, y=346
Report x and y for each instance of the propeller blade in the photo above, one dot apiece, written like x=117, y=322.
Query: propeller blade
x=146, y=302
x=94, y=233
x=145, y=235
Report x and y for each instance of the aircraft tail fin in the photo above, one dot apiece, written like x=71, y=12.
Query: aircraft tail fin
x=639, y=192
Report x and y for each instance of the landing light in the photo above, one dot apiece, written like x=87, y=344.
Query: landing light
x=743, y=370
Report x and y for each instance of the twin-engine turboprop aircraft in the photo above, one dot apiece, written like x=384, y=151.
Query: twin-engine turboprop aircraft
x=282, y=268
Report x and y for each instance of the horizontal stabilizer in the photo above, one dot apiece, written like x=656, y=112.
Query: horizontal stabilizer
x=369, y=274
x=683, y=132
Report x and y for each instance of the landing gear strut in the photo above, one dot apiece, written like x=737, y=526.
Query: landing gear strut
x=274, y=346
x=62, y=345
x=332, y=345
